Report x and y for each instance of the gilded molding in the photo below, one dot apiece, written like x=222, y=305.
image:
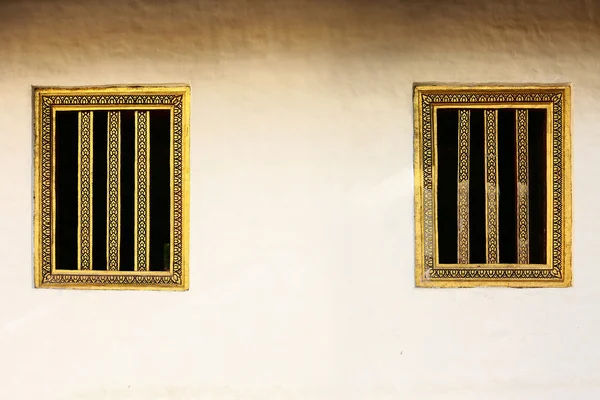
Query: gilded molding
x=492, y=189
x=113, y=200
x=142, y=190
x=522, y=186
x=464, y=136
x=556, y=99
x=114, y=100
x=85, y=193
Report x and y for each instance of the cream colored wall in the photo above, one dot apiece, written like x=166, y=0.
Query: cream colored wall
x=301, y=205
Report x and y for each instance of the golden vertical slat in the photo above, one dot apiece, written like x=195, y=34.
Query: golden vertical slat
x=522, y=187
x=85, y=192
x=491, y=185
x=114, y=190
x=464, y=134
x=142, y=191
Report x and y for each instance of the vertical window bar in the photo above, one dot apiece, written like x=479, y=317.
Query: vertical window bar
x=522, y=187
x=85, y=179
x=114, y=190
x=464, y=121
x=142, y=191
x=491, y=185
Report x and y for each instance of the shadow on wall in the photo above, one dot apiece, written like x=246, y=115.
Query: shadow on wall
x=196, y=29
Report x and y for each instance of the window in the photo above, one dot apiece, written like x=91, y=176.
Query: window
x=493, y=186
x=111, y=187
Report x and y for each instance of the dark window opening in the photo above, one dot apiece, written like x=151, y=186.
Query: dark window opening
x=67, y=238
x=507, y=177
x=99, y=195
x=477, y=189
x=66, y=189
x=537, y=186
x=447, y=153
x=507, y=186
x=160, y=190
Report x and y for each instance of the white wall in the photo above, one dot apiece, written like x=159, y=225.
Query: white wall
x=301, y=205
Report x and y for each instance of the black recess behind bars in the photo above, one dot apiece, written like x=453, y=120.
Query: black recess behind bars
x=99, y=191
x=507, y=176
x=66, y=188
x=447, y=155
x=447, y=182
x=160, y=189
x=537, y=186
x=477, y=240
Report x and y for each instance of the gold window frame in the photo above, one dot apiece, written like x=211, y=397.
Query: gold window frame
x=47, y=101
x=556, y=99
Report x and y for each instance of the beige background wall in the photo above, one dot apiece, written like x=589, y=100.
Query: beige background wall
x=301, y=205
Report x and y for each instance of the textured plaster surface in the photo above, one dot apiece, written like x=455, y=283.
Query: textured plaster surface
x=301, y=205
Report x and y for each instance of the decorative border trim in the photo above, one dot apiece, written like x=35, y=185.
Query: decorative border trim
x=142, y=188
x=85, y=180
x=521, y=141
x=491, y=184
x=559, y=272
x=113, y=193
x=462, y=192
x=111, y=98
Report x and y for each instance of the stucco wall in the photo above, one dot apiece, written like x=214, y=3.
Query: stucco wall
x=301, y=205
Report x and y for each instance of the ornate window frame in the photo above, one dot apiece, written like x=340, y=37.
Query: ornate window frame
x=556, y=99
x=47, y=100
